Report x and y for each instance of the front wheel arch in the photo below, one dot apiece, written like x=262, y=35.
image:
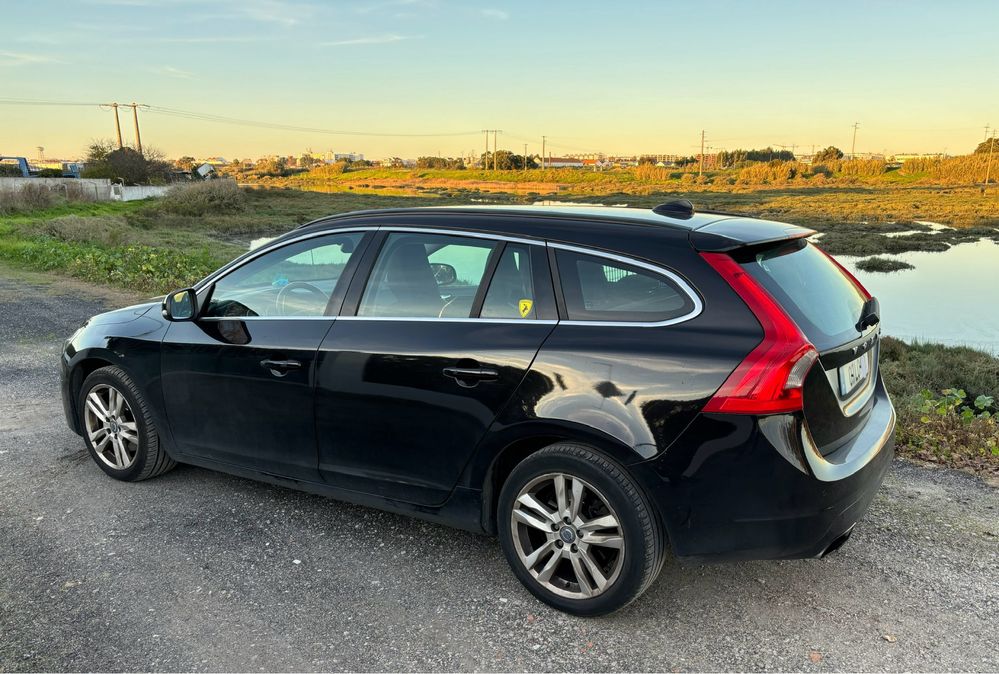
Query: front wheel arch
x=81, y=370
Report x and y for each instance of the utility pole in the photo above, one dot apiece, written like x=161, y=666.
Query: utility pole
x=525, y=157
x=117, y=123
x=495, y=150
x=135, y=118
x=853, y=148
x=543, y=140
x=700, y=171
x=988, y=165
x=485, y=160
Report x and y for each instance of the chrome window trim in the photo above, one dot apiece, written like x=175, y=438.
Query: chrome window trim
x=430, y=319
x=698, y=305
x=631, y=262
x=249, y=256
x=216, y=319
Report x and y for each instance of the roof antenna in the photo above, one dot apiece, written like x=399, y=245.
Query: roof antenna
x=681, y=209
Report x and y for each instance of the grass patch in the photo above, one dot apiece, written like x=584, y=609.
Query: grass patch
x=160, y=245
x=204, y=198
x=883, y=264
x=924, y=380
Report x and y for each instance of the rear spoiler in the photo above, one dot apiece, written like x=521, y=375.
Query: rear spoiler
x=727, y=234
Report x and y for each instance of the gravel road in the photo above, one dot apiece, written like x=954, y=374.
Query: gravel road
x=206, y=572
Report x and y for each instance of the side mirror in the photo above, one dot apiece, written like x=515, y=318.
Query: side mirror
x=181, y=305
x=444, y=274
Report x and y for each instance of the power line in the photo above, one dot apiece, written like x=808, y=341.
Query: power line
x=221, y=119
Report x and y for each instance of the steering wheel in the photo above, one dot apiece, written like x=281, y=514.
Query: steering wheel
x=284, y=295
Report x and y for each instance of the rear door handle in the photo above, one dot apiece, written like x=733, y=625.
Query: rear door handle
x=280, y=368
x=470, y=376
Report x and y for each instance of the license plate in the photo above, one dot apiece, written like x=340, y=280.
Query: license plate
x=853, y=374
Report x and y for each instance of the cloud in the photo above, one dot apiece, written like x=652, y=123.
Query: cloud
x=273, y=11
x=495, y=14
x=170, y=71
x=212, y=39
x=14, y=58
x=388, y=5
x=371, y=39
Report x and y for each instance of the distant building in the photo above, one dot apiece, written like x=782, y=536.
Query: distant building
x=347, y=156
x=563, y=162
x=900, y=158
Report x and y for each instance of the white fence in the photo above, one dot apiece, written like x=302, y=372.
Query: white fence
x=134, y=192
x=98, y=189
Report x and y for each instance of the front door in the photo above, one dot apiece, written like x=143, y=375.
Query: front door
x=239, y=381
x=445, y=330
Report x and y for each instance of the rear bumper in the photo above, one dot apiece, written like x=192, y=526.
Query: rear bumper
x=742, y=487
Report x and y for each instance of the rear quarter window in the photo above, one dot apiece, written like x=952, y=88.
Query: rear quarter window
x=596, y=288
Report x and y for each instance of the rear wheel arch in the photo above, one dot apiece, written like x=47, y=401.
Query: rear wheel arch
x=515, y=451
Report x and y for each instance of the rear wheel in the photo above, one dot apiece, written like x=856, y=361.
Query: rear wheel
x=118, y=429
x=577, y=531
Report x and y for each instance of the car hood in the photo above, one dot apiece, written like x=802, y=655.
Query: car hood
x=126, y=314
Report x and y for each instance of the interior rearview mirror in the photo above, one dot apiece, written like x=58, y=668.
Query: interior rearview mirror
x=181, y=305
x=444, y=274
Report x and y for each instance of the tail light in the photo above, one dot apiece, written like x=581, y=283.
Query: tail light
x=848, y=274
x=769, y=379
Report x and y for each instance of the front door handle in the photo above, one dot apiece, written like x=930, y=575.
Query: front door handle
x=470, y=376
x=280, y=368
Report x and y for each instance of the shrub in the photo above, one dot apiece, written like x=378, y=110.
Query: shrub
x=30, y=196
x=100, y=230
x=652, y=173
x=883, y=264
x=953, y=430
x=204, y=198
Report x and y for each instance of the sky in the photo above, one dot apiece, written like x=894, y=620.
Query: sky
x=617, y=77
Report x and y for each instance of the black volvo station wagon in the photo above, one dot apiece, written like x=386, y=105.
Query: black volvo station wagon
x=593, y=385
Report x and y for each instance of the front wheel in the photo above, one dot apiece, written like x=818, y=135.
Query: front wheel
x=118, y=428
x=577, y=530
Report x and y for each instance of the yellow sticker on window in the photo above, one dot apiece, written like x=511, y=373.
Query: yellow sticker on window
x=525, y=308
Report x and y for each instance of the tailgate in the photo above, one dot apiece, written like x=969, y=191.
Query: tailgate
x=826, y=304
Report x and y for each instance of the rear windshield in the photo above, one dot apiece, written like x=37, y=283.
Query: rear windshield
x=824, y=303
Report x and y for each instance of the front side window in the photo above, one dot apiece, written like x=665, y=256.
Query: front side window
x=425, y=276
x=293, y=281
x=600, y=289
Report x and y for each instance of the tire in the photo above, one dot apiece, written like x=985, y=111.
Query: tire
x=121, y=438
x=529, y=498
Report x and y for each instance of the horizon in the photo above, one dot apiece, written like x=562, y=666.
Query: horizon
x=641, y=79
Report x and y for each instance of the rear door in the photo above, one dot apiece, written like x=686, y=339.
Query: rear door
x=431, y=344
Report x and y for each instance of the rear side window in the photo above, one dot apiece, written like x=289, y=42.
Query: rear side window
x=824, y=303
x=599, y=289
x=511, y=290
x=425, y=276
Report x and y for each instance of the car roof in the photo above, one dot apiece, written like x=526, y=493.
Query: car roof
x=606, y=214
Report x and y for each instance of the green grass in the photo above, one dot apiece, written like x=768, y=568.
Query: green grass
x=157, y=246
x=883, y=264
x=911, y=369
